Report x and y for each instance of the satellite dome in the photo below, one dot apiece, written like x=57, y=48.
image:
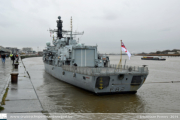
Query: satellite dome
x=79, y=44
x=48, y=43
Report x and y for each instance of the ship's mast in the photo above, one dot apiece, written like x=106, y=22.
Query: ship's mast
x=71, y=27
x=61, y=32
x=59, y=26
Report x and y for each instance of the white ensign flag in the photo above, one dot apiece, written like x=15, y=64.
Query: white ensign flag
x=125, y=50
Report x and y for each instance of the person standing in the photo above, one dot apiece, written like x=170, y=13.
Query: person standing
x=3, y=56
x=13, y=58
x=17, y=58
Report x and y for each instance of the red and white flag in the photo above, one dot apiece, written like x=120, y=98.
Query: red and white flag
x=125, y=50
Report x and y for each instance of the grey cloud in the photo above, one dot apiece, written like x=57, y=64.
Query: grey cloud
x=165, y=29
x=138, y=23
x=111, y=16
x=6, y=21
x=108, y=15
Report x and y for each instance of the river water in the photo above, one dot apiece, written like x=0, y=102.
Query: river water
x=60, y=97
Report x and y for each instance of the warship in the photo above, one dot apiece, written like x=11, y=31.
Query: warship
x=83, y=66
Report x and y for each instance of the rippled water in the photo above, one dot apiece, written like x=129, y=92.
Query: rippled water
x=60, y=97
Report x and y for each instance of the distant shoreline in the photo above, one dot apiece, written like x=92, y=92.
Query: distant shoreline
x=157, y=55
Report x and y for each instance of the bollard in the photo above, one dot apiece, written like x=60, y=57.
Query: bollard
x=16, y=65
x=14, y=77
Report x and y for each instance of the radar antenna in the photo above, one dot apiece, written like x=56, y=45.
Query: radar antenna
x=61, y=32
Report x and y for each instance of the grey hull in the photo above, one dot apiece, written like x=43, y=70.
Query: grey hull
x=88, y=82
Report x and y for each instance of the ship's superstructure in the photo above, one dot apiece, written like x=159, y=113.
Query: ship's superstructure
x=82, y=66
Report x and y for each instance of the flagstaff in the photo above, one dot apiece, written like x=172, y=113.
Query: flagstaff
x=120, y=55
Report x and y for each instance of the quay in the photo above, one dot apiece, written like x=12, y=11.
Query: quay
x=29, y=56
x=18, y=97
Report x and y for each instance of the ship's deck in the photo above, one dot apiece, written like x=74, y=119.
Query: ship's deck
x=111, y=70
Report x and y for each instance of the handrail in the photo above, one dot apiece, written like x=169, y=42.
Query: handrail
x=110, y=70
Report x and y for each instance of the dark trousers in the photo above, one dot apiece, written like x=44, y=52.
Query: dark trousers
x=3, y=60
x=17, y=59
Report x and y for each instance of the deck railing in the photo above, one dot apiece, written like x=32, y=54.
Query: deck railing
x=110, y=70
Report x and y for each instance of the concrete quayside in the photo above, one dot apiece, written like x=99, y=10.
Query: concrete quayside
x=17, y=93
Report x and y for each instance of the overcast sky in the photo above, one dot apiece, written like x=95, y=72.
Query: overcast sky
x=143, y=25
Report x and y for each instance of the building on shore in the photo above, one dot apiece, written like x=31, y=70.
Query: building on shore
x=14, y=50
x=27, y=50
x=174, y=51
x=4, y=50
x=40, y=53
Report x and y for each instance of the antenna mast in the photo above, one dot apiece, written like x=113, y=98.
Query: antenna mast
x=71, y=27
x=61, y=32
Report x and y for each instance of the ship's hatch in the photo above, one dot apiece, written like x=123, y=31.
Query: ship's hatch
x=136, y=80
x=102, y=82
